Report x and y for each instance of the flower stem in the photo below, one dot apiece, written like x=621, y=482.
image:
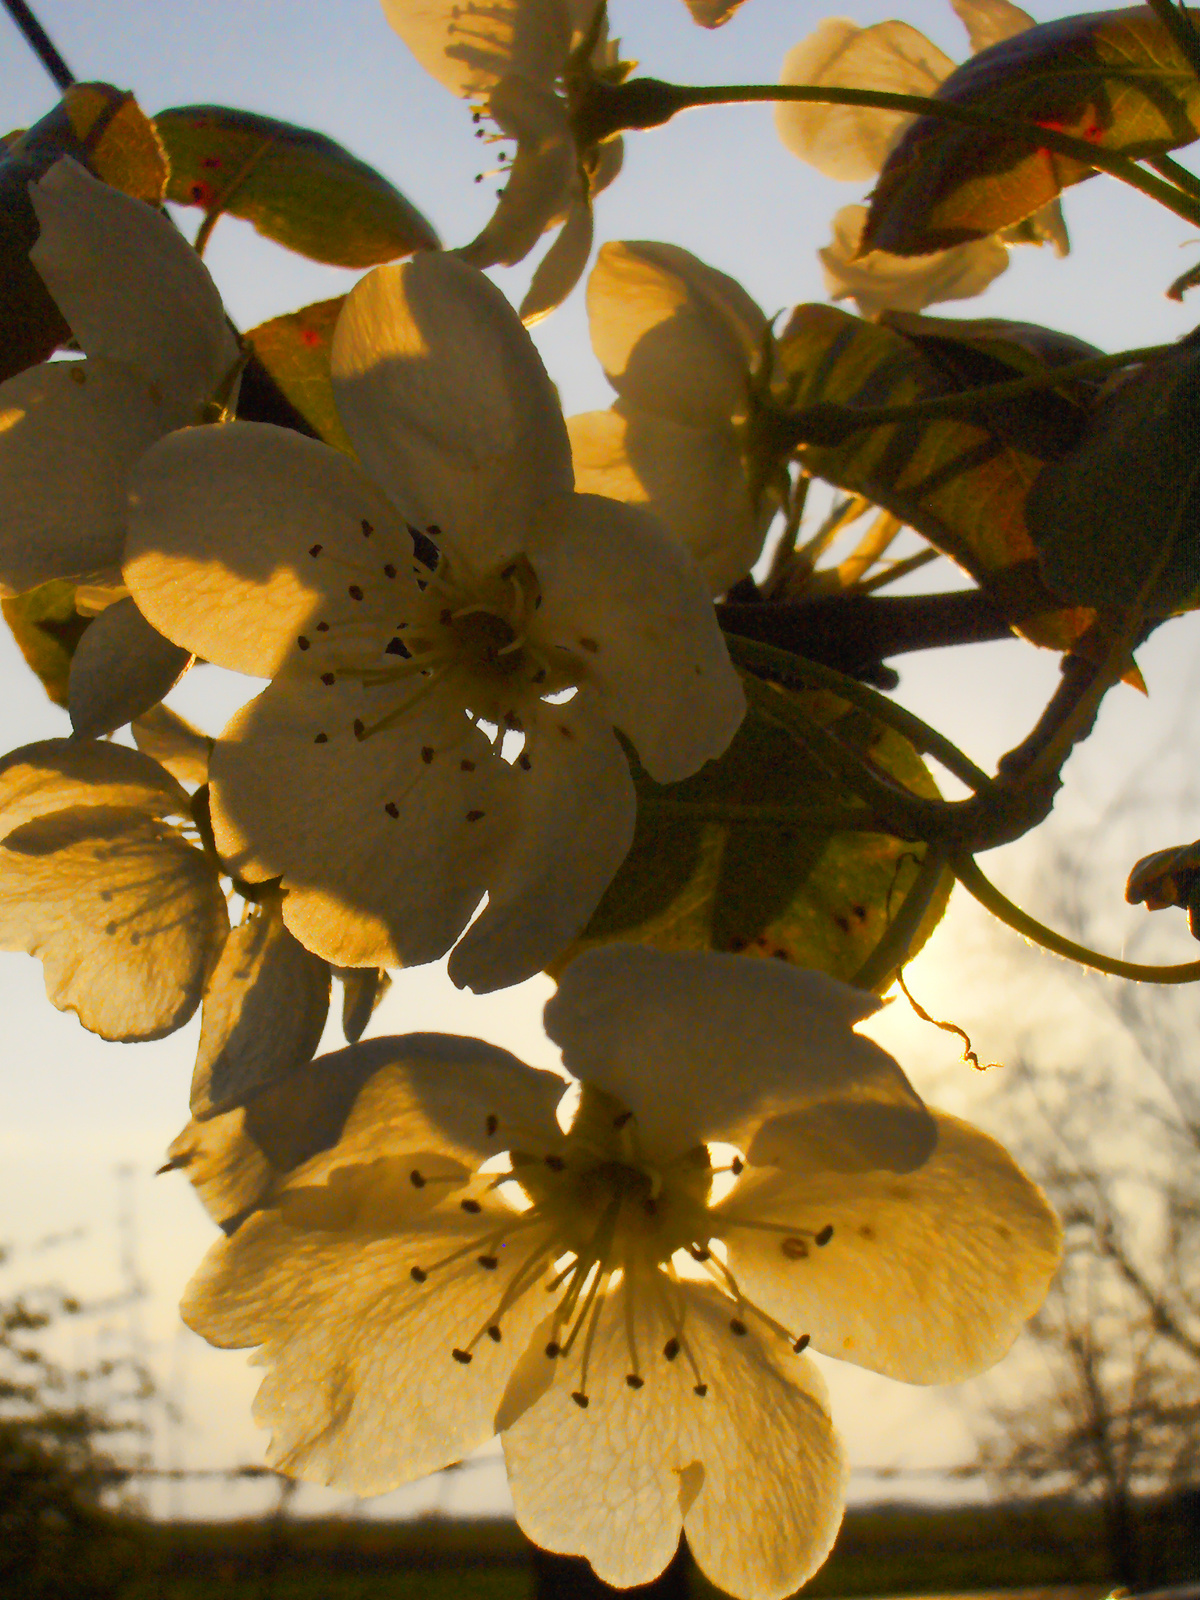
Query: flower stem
x=649, y=102
x=827, y=423
x=891, y=953
x=973, y=881
x=796, y=673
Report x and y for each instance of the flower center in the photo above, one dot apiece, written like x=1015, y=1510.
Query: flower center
x=487, y=644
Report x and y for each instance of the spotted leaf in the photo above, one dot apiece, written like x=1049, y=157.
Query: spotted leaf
x=295, y=350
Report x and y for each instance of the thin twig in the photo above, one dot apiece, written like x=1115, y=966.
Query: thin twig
x=40, y=43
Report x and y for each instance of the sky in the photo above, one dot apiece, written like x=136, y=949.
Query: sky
x=720, y=183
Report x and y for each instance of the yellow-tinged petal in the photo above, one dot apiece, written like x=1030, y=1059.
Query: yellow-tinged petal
x=989, y=22
x=539, y=183
x=240, y=535
x=880, y=281
x=751, y=1468
x=929, y=1275
x=449, y=405
x=675, y=336
x=170, y=739
x=469, y=45
x=121, y=667
x=561, y=268
x=850, y=142
x=125, y=915
x=56, y=774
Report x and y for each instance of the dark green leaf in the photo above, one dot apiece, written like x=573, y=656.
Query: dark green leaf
x=297, y=187
x=1116, y=79
x=797, y=890
x=295, y=350
x=47, y=628
x=104, y=130
x=960, y=482
x=1128, y=499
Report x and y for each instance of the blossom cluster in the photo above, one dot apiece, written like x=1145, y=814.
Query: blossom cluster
x=487, y=633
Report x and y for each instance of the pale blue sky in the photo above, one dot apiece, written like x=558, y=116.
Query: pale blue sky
x=719, y=183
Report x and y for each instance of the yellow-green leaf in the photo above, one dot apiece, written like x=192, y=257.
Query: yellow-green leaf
x=295, y=349
x=704, y=874
x=960, y=482
x=102, y=128
x=47, y=628
x=1116, y=79
x=297, y=187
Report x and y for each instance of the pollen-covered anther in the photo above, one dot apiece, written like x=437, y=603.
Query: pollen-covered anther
x=462, y=1356
x=821, y=1239
x=489, y=1263
x=580, y=1399
x=802, y=1343
x=671, y=1349
x=417, y=1274
x=494, y=1333
x=492, y=1123
x=701, y=1389
x=737, y=1327
x=634, y=1381
x=471, y=1206
x=553, y=1350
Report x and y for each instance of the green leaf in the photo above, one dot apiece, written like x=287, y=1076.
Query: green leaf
x=961, y=482
x=295, y=350
x=297, y=187
x=48, y=629
x=1114, y=78
x=1127, y=501
x=709, y=878
x=103, y=129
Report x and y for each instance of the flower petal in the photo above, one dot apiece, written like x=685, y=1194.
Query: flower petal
x=363, y=1391
x=960, y=1252
x=432, y=1097
x=169, y=739
x=121, y=667
x=712, y=13
x=449, y=405
x=691, y=478
x=223, y=527
x=572, y=825
x=539, y=182
x=988, y=22
x=469, y=45
x=264, y=1013
x=56, y=774
x=131, y=287
x=125, y=915
x=384, y=850
x=616, y=1481
x=561, y=268
x=739, y=1041
x=850, y=142
x=362, y=990
x=675, y=336
x=880, y=281
x=70, y=433
x=625, y=598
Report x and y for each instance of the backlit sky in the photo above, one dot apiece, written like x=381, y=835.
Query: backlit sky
x=719, y=183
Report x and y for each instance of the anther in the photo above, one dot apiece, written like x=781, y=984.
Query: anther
x=802, y=1343
x=462, y=1356
x=634, y=1381
x=354, y=592
x=472, y=1206
x=389, y=570
x=622, y=1118
x=825, y=1235
x=392, y=809
x=671, y=1349
x=322, y=627
x=466, y=766
x=417, y=1179
x=555, y=1163
x=698, y=1252
x=427, y=753
x=590, y=646
x=321, y=738
x=737, y=1166
x=737, y=1326
x=553, y=1350
x=524, y=762
x=315, y=550
x=329, y=679
x=494, y=1333
x=395, y=647
x=492, y=1123
x=489, y=1263
x=367, y=529
x=580, y=1399
x=474, y=816
x=303, y=642
x=417, y=1274
x=360, y=729
x=701, y=1389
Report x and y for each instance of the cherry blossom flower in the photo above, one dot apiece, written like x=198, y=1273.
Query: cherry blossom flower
x=422, y=1256
x=466, y=585
x=678, y=341
x=523, y=65
x=852, y=142
x=149, y=320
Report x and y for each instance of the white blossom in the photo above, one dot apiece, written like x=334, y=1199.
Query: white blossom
x=413, y=618
x=422, y=1256
x=678, y=341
